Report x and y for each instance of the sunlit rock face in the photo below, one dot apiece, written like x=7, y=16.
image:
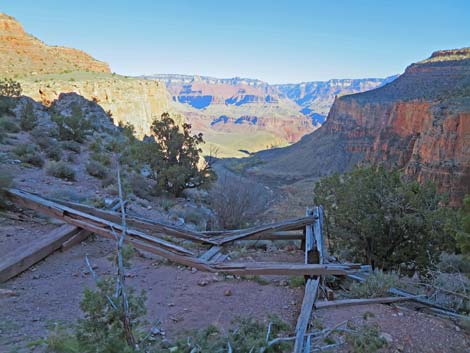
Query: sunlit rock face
x=420, y=123
x=23, y=54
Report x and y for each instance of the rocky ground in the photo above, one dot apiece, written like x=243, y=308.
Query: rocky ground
x=179, y=298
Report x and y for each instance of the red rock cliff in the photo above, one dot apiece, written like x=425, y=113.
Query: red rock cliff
x=22, y=54
x=419, y=123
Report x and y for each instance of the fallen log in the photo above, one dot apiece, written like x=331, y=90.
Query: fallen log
x=27, y=255
x=351, y=302
x=310, y=295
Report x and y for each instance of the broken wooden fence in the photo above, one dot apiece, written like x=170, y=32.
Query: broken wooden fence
x=148, y=235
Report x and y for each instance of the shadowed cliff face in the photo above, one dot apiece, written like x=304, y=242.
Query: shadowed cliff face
x=128, y=100
x=22, y=54
x=420, y=123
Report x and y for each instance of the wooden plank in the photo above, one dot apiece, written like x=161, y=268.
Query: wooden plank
x=27, y=255
x=86, y=221
x=310, y=295
x=351, y=302
x=280, y=268
x=155, y=228
x=292, y=224
x=81, y=235
x=309, y=239
x=318, y=233
x=281, y=235
x=209, y=254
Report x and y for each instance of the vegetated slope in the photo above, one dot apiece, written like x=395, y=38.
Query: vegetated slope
x=23, y=54
x=420, y=122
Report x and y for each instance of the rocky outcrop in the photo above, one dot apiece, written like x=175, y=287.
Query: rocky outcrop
x=419, y=123
x=22, y=54
x=134, y=101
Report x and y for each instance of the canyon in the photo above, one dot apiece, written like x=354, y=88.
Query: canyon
x=419, y=123
x=276, y=115
x=237, y=116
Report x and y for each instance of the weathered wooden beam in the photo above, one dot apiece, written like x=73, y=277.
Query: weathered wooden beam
x=310, y=295
x=27, y=255
x=81, y=235
x=292, y=224
x=351, y=302
x=280, y=268
x=209, y=254
x=155, y=228
x=276, y=235
x=86, y=221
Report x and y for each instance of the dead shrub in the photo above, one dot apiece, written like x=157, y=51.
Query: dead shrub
x=236, y=201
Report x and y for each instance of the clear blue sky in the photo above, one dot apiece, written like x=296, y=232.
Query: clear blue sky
x=277, y=41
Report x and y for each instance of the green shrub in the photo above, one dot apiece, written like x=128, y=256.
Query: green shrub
x=454, y=263
x=8, y=125
x=248, y=335
x=71, y=158
x=28, y=119
x=365, y=340
x=54, y=152
x=97, y=145
x=296, y=281
x=140, y=186
x=102, y=158
x=71, y=146
x=6, y=181
x=74, y=127
x=96, y=169
x=10, y=88
x=28, y=153
x=385, y=219
x=117, y=144
x=61, y=170
x=376, y=284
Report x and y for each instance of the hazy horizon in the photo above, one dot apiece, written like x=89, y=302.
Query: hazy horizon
x=280, y=42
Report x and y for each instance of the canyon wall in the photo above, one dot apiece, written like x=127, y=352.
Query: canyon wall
x=23, y=54
x=129, y=100
x=419, y=123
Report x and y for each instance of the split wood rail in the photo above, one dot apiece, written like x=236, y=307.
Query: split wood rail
x=167, y=241
x=153, y=236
